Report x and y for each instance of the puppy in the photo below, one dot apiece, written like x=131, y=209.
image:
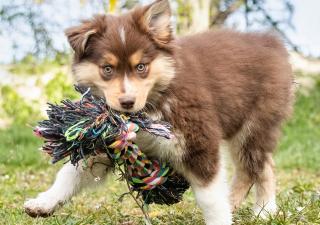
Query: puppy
x=215, y=87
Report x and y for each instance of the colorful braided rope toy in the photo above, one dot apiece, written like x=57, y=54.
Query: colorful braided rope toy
x=90, y=127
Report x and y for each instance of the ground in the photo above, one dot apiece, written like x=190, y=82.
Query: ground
x=24, y=172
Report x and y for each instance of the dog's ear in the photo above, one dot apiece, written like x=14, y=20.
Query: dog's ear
x=78, y=36
x=155, y=19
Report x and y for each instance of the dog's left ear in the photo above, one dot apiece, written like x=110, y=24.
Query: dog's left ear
x=156, y=21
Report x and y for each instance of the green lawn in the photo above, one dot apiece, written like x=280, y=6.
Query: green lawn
x=24, y=173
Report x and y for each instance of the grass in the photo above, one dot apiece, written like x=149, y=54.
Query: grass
x=24, y=173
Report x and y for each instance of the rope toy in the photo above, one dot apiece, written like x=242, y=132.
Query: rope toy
x=89, y=127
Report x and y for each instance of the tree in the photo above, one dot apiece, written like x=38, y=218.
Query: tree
x=19, y=18
x=29, y=18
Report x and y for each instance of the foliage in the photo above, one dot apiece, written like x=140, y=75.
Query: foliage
x=183, y=16
x=303, y=130
x=16, y=107
x=13, y=105
x=59, y=88
x=31, y=65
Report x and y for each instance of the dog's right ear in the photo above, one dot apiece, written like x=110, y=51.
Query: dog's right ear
x=78, y=36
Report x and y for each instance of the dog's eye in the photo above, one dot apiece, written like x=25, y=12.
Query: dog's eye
x=107, y=71
x=141, y=68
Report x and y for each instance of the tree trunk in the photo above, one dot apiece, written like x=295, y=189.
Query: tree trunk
x=200, y=15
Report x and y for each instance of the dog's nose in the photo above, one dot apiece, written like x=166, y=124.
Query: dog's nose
x=127, y=102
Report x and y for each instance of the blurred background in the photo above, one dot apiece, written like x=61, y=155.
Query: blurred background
x=35, y=69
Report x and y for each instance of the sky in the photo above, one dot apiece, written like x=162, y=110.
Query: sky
x=306, y=21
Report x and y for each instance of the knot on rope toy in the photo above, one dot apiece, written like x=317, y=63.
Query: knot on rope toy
x=90, y=127
x=144, y=174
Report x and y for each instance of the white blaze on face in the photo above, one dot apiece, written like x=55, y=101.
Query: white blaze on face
x=122, y=35
x=128, y=88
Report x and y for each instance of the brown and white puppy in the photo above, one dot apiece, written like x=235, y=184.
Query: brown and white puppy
x=215, y=87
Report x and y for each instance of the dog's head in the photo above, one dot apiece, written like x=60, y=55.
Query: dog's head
x=127, y=57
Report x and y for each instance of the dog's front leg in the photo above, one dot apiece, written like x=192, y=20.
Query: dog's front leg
x=70, y=180
x=212, y=198
x=207, y=177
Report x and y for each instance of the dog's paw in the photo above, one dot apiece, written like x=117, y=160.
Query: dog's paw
x=40, y=206
x=265, y=211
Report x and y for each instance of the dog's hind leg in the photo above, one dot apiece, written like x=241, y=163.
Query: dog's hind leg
x=251, y=150
x=241, y=181
x=70, y=180
x=266, y=190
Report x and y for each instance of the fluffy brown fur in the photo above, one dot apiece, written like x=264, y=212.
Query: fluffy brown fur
x=213, y=86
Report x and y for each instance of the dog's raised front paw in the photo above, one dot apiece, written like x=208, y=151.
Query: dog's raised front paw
x=40, y=206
